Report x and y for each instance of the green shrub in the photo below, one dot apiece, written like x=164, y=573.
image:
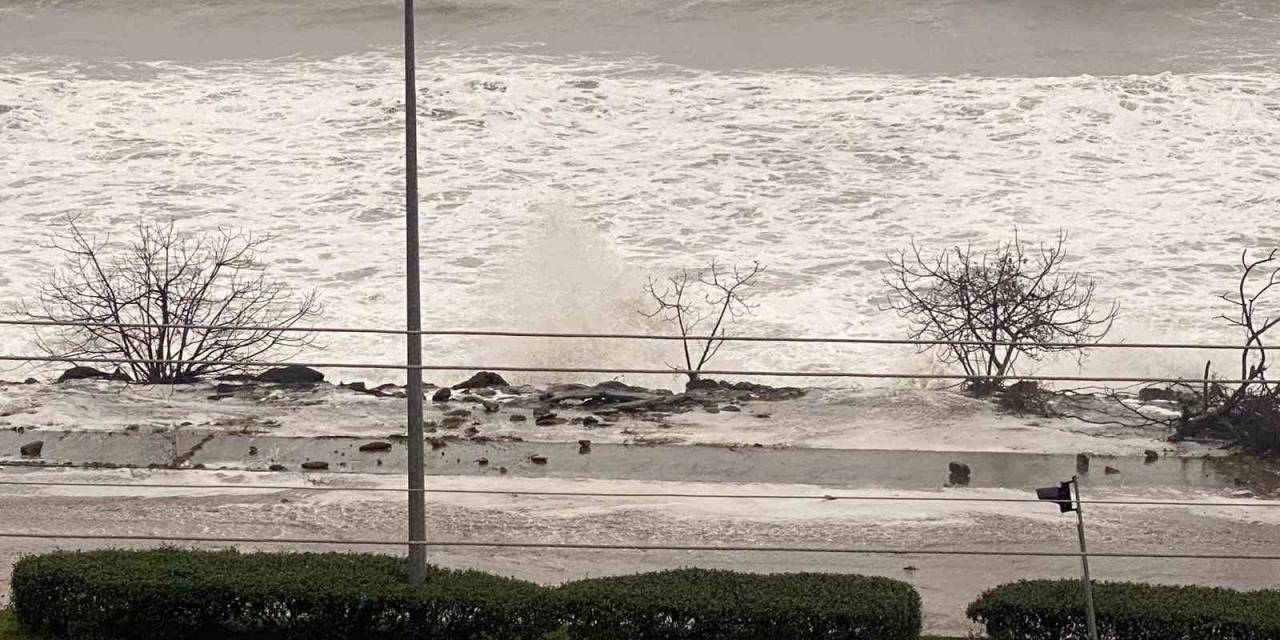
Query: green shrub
x=172, y=594
x=724, y=605
x=1054, y=610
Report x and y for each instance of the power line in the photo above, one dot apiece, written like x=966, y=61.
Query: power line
x=619, y=336
x=611, y=494
x=633, y=547
x=637, y=371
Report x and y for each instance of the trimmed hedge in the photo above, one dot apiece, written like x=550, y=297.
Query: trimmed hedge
x=726, y=605
x=172, y=594
x=1054, y=609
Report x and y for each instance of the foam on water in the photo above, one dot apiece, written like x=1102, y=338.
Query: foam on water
x=553, y=185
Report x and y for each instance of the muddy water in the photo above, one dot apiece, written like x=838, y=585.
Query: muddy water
x=824, y=467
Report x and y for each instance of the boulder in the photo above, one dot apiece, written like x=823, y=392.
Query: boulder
x=276, y=467
x=1152, y=394
x=1150, y=456
x=357, y=386
x=518, y=417
x=31, y=449
x=442, y=395
x=292, y=374
x=538, y=459
x=315, y=465
x=958, y=474
x=584, y=447
x=1110, y=471
x=30, y=381
x=89, y=373
x=374, y=447
x=482, y=380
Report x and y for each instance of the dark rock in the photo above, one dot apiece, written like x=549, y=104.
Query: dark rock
x=1030, y=387
x=315, y=465
x=374, y=447
x=89, y=373
x=31, y=449
x=590, y=421
x=437, y=443
x=731, y=408
x=442, y=395
x=276, y=467
x=548, y=419
x=1111, y=471
x=253, y=451
x=490, y=406
x=482, y=380
x=518, y=417
x=958, y=474
x=584, y=447
x=1082, y=463
x=711, y=408
x=485, y=393
x=701, y=384
x=357, y=386
x=1151, y=394
x=538, y=459
x=30, y=381
x=1150, y=456
x=292, y=374
x=483, y=462
x=502, y=470
x=471, y=432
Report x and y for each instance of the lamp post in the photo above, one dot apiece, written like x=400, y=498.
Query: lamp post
x=1069, y=501
x=413, y=374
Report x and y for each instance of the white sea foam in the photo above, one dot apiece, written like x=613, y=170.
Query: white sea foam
x=553, y=185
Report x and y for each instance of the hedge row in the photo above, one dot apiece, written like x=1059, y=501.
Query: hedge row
x=725, y=605
x=1054, y=609
x=172, y=594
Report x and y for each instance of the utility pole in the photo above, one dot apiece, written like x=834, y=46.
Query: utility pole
x=1090, y=617
x=413, y=374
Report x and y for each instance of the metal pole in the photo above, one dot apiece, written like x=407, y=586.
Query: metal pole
x=417, y=482
x=1090, y=618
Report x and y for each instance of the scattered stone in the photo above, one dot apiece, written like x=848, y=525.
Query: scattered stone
x=538, y=412
x=502, y=470
x=538, y=459
x=711, y=408
x=757, y=446
x=276, y=467
x=490, y=406
x=590, y=421
x=374, y=447
x=315, y=465
x=549, y=420
x=30, y=381
x=253, y=451
x=32, y=449
x=442, y=395
x=1111, y=471
x=437, y=443
x=89, y=373
x=484, y=462
x=471, y=432
x=518, y=417
x=357, y=386
x=1150, y=456
x=732, y=408
x=132, y=427
x=584, y=447
x=482, y=380
x=292, y=374
x=958, y=474
x=1082, y=463
x=1151, y=394
x=762, y=416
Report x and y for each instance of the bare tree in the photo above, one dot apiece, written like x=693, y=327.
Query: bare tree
x=689, y=299
x=979, y=301
x=159, y=282
x=1254, y=324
